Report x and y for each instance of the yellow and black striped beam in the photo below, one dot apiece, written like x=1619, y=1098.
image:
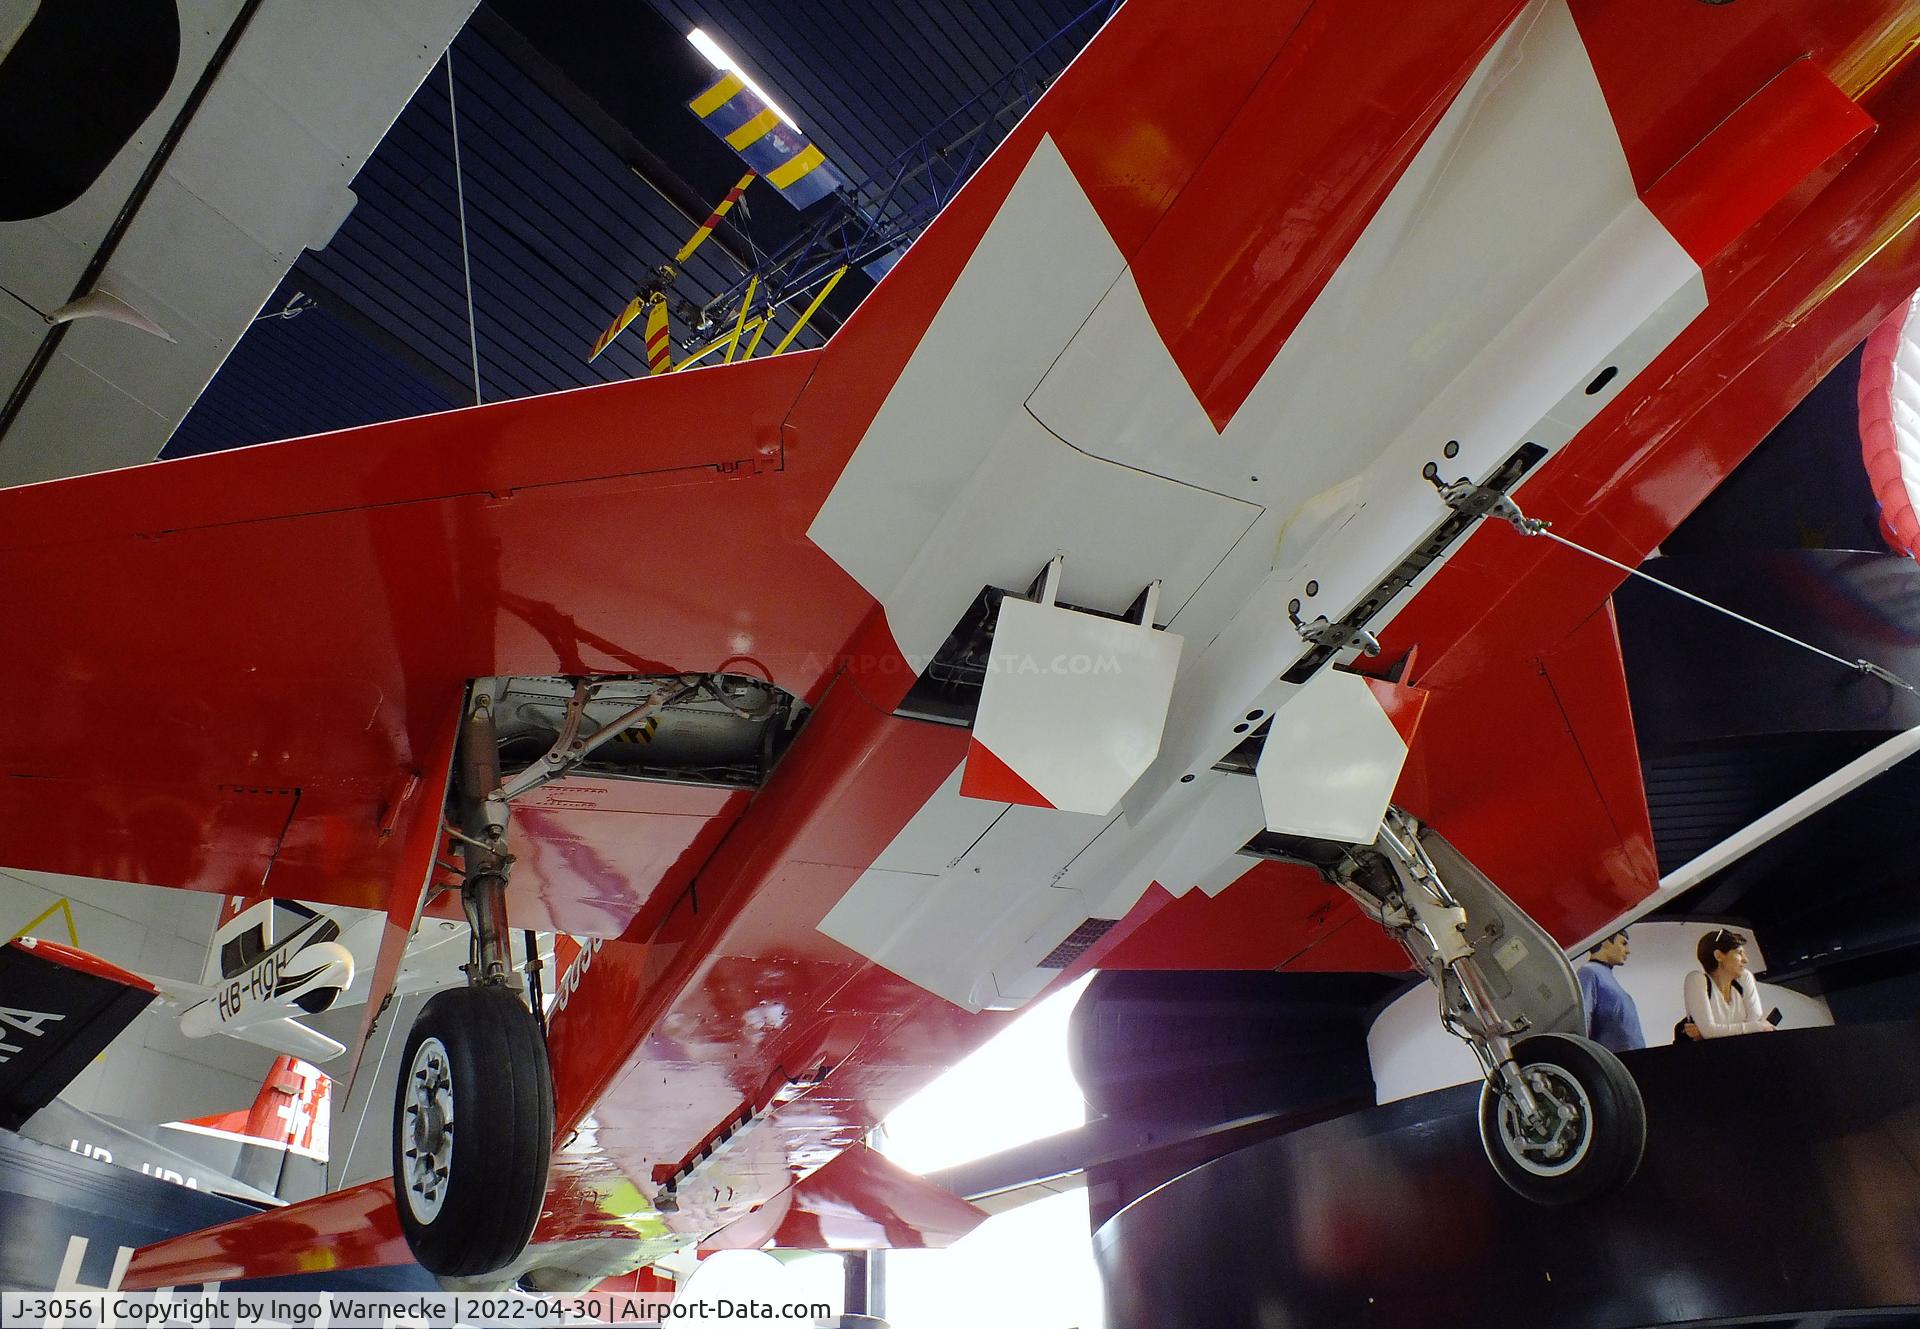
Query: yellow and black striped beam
x=765, y=142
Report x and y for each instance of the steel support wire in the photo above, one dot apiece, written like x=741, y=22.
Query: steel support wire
x=1505, y=509
x=466, y=258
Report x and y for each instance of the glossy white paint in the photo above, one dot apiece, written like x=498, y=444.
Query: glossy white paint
x=1331, y=761
x=1074, y=704
x=1186, y=843
x=955, y=486
x=1509, y=266
x=940, y=833
x=1511, y=263
x=261, y=174
x=979, y=921
x=1041, y=264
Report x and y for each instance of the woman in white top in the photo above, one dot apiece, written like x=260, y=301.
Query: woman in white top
x=1723, y=999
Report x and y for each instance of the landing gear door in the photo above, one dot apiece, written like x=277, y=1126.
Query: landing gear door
x=1518, y=958
x=1333, y=755
x=1072, y=708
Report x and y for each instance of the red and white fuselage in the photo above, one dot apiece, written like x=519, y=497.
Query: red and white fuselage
x=1201, y=324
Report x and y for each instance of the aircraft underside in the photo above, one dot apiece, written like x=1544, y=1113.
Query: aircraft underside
x=1153, y=574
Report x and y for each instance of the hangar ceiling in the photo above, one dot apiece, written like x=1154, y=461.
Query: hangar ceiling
x=299, y=96
x=583, y=169
x=1792, y=539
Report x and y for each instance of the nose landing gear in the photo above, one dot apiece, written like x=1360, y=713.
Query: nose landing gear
x=1560, y=1117
x=1588, y=1131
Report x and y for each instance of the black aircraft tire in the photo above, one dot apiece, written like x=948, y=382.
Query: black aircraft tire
x=474, y=1058
x=1596, y=1151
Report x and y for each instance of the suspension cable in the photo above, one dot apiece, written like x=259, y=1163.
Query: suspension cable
x=1461, y=494
x=466, y=260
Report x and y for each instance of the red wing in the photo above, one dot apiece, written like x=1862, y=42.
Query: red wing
x=351, y=1229
x=232, y=672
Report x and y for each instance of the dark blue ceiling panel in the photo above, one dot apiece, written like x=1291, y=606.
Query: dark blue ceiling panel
x=308, y=374
x=869, y=81
x=582, y=171
x=890, y=90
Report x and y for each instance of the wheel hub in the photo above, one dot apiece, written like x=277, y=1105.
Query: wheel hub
x=1558, y=1137
x=427, y=1129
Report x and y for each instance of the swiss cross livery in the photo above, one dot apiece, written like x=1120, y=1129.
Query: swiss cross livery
x=1132, y=582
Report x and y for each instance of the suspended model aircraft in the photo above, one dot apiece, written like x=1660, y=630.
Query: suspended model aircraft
x=78, y=1004
x=271, y=962
x=1115, y=589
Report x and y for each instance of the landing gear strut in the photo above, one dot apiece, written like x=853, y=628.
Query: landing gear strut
x=473, y=1111
x=1560, y=1117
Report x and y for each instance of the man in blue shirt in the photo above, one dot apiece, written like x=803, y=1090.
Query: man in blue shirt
x=1613, y=1021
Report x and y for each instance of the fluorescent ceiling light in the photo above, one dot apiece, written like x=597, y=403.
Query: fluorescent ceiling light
x=719, y=59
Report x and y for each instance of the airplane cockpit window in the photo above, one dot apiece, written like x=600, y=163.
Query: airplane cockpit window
x=240, y=953
x=243, y=950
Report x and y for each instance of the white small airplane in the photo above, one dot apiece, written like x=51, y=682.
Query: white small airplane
x=272, y=962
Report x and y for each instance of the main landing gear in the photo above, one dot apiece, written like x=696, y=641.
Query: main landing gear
x=473, y=1111
x=1560, y=1117
x=473, y=1117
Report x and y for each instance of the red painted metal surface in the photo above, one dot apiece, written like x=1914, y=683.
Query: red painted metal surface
x=415, y=806
x=1281, y=198
x=1403, y=706
x=1830, y=275
x=360, y=579
x=650, y=1281
x=1271, y=918
x=988, y=777
x=55, y=953
x=742, y=1002
x=607, y=858
x=290, y=1109
x=151, y=832
x=350, y=1229
x=1880, y=432
x=343, y=589
x=1546, y=782
x=1784, y=133
x=1673, y=73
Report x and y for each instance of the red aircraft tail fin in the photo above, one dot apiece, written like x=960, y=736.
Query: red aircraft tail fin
x=279, y=1143
x=291, y=1110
